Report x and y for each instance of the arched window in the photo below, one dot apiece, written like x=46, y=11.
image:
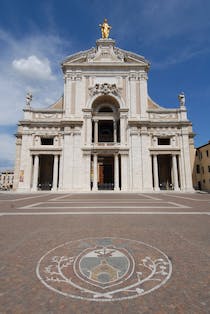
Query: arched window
x=105, y=120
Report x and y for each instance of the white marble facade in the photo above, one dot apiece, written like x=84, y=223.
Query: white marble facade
x=105, y=133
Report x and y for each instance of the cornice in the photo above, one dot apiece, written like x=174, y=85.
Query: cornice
x=60, y=123
x=113, y=149
x=148, y=123
x=164, y=110
x=107, y=65
x=44, y=110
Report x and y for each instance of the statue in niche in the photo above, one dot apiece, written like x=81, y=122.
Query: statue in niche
x=105, y=29
x=181, y=98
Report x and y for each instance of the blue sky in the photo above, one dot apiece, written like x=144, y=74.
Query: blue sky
x=35, y=36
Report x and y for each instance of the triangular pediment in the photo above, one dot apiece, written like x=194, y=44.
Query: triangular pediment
x=105, y=52
x=79, y=57
x=130, y=57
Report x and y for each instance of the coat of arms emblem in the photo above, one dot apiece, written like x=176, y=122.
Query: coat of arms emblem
x=104, y=269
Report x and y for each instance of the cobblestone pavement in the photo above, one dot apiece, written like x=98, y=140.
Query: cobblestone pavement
x=104, y=253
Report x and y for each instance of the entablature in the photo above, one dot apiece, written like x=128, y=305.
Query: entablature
x=45, y=151
x=164, y=151
x=105, y=150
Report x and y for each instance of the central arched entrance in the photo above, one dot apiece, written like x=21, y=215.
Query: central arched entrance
x=105, y=165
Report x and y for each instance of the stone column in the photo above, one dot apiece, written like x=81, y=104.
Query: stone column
x=60, y=172
x=89, y=131
x=175, y=173
x=67, y=160
x=146, y=160
x=96, y=132
x=143, y=95
x=116, y=172
x=179, y=171
x=155, y=169
x=95, y=172
x=133, y=78
x=123, y=126
x=115, y=131
x=67, y=93
x=124, y=172
x=36, y=172
x=186, y=173
x=55, y=173
x=86, y=171
x=122, y=130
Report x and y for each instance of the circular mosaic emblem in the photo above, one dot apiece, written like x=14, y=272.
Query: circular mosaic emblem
x=104, y=269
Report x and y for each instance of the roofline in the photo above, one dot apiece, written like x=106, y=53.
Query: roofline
x=203, y=145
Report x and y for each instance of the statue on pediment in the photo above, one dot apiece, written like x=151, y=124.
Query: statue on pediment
x=105, y=29
x=28, y=99
x=181, y=98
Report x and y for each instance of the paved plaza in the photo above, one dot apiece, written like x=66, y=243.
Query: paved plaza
x=105, y=253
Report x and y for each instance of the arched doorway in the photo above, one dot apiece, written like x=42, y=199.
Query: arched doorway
x=105, y=165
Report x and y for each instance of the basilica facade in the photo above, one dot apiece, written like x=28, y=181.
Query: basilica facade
x=105, y=133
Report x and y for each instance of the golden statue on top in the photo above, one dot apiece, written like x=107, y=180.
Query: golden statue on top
x=105, y=29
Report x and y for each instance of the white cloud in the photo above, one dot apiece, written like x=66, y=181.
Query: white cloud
x=34, y=68
x=27, y=64
x=30, y=64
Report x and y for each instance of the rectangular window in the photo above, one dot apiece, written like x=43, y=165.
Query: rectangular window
x=208, y=168
x=197, y=169
x=47, y=140
x=164, y=141
x=207, y=153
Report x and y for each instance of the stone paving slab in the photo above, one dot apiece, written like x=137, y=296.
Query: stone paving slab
x=183, y=239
